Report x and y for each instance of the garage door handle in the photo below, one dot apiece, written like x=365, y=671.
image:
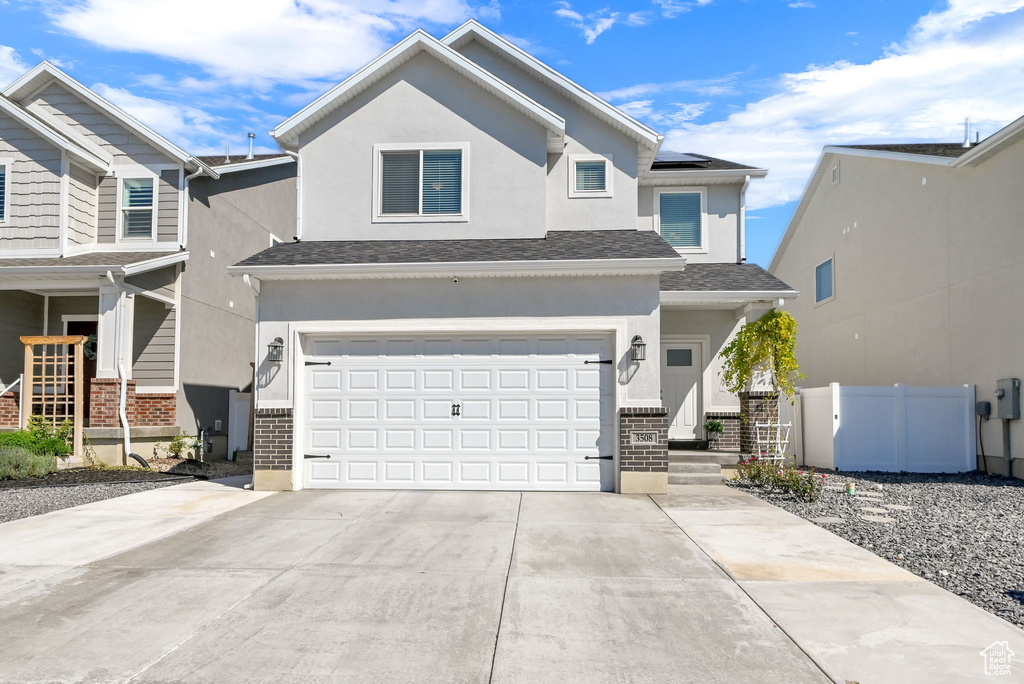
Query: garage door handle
x=598, y=458
x=318, y=363
x=608, y=361
x=316, y=456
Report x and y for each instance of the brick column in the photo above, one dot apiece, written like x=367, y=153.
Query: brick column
x=272, y=450
x=730, y=420
x=9, y=411
x=643, y=450
x=754, y=408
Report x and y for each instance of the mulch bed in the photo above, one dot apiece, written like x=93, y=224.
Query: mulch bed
x=75, y=476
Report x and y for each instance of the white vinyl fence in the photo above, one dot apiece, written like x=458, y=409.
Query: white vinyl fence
x=891, y=429
x=239, y=405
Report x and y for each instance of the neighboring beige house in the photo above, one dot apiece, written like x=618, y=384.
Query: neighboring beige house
x=911, y=261
x=497, y=281
x=109, y=231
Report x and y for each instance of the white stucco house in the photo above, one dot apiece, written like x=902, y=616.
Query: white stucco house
x=911, y=260
x=497, y=280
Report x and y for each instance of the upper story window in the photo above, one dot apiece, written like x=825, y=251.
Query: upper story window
x=138, y=208
x=4, y=166
x=824, y=282
x=424, y=183
x=680, y=218
x=590, y=175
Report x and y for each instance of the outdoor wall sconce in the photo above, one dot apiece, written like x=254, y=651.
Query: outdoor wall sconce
x=639, y=348
x=275, y=350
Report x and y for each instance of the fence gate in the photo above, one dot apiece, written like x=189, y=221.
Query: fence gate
x=52, y=386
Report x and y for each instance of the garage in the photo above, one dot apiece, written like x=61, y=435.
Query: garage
x=512, y=412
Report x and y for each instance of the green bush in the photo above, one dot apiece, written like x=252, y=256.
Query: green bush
x=23, y=439
x=17, y=463
x=803, y=484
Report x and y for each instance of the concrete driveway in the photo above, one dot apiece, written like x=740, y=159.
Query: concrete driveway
x=388, y=587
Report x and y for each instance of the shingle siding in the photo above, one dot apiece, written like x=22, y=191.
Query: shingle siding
x=167, y=206
x=82, y=188
x=153, y=352
x=33, y=185
x=106, y=217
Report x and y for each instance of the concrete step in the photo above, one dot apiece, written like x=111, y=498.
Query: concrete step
x=695, y=478
x=727, y=458
x=694, y=468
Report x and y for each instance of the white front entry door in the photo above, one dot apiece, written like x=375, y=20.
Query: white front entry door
x=682, y=389
x=519, y=412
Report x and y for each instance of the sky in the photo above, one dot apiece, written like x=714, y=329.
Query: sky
x=761, y=82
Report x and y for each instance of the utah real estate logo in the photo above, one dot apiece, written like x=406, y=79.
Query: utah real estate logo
x=997, y=658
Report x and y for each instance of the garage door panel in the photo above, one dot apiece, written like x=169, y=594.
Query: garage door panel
x=528, y=412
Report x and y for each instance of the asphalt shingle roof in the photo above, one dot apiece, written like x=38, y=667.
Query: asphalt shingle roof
x=675, y=160
x=98, y=259
x=721, y=278
x=931, y=149
x=557, y=245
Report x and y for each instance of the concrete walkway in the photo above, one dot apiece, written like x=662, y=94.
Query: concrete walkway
x=861, y=618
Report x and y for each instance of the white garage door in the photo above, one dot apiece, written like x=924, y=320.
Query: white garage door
x=467, y=412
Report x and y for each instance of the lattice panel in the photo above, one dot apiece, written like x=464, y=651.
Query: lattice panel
x=53, y=379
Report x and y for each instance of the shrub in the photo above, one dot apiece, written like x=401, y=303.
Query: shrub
x=180, y=445
x=803, y=484
x=17, y=463
x=29, y=441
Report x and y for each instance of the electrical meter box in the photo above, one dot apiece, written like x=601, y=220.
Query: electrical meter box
x=1008, y=399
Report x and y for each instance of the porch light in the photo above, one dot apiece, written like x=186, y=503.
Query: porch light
x=639, y=348
x=275, y=350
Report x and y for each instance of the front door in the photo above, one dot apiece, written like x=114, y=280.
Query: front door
x=87, y=328
x=682, y=390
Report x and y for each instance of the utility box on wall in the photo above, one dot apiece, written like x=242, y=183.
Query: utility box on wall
x=1008, y=399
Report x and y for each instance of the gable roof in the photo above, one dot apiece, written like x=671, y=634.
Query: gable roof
x=927, y=149
x=621, y=121
x=723, y=278
x=44, y=72
x=1004, y=137
x=419, y=41
x=88, y=154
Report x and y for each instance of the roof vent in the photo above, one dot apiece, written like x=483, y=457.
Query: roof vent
x=227, y=154
x=252, y=138
x=967, y=132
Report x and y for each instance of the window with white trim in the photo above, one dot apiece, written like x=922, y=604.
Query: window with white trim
x=680, y=218
x=3, y=191
x=590, y=175
x=824, y=281
x=138, y=208
x=424, y=182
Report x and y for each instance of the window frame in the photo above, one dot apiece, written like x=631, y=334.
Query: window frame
x=136, y=173
x=609, y=168
x=377, y=216
x=5, y=202
x=828, y=299
x=685, y=189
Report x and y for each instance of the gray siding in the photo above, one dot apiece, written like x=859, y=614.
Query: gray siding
x=82, y=187
x=106, y=220
x=59, y=306
x=33, y=182
x=153, y=349
x=56, y=101
x=167, y=207
x=21, y=313
x=161, y=282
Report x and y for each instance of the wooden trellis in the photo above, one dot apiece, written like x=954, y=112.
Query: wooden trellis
x=53, y=383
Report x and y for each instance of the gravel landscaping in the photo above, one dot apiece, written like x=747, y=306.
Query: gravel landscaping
x=24, y=502
x=961, y=532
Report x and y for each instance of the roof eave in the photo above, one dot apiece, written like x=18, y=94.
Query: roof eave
x=892, y=156
x=668, y=176
x=730, y=297
x=252, y=165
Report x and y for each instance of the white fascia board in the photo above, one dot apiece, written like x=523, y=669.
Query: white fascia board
x=43, y=72
x=96, y=159
x=700, y=176
x=92, y=270
x=1006, y=135
x=474, y=29
x=452, y=269
x=892, y=156
x=670, y=297
x=154, y=263
x=418, y=41
x=252, y=165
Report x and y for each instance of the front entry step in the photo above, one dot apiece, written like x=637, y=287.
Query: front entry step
x=695, y=478
x=690, y=468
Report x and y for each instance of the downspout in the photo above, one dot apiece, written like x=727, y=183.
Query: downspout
x=743, y=221
x=118, y=339
x=298, y=193
x=184, y=218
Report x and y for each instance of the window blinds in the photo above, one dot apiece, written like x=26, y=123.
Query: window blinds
x=680, y=218
x=590, y=175
x=442, y=182
x=137, y=206
x=400, y=175
x=3, y=192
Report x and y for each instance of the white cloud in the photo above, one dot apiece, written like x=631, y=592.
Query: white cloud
x=707, y=87
x=257, y=42
x=592, y=25
x=801, y=4
x=11, y=66
x=953, y=64
x=182, y=124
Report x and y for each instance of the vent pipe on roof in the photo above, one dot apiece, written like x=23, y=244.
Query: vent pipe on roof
x=227, y=154
x=967, y=132
x=252, y=139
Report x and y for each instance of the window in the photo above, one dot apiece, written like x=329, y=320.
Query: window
x=680, y=219
x=824, y=282
x=137, y=207
x=590, y=175
x=680, y=357
x=3, y=192
x=420, y=184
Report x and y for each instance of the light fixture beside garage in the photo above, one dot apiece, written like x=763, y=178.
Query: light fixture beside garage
x=639, y=348
x=275, y=350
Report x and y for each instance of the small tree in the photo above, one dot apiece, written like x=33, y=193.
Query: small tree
x=764, y=348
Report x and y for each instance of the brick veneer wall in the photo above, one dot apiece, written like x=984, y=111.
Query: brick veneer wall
x=272, y=445
x=649, y=458
x=10, y=414
x=730, y=421
x=754, y=408
x=143, y=410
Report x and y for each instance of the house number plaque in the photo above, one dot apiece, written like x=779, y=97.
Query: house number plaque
x=643, y=437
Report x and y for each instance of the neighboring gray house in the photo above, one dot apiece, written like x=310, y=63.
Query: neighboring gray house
x=495, y=281
x=108, y=229
x=911, y=261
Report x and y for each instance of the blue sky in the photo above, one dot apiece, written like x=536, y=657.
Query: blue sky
x=764, y=82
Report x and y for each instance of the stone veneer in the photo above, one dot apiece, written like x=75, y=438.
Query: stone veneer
x=730, y=420
x=643, y=467
x=10, y=413
x=754, y=408
x=142, y=409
